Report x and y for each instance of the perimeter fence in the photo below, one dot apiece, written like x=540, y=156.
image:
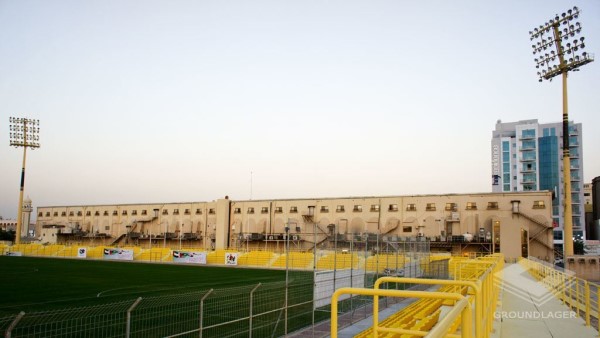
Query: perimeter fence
x=256, y=310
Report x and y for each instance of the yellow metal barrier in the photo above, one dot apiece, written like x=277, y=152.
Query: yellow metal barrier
x=577, y=293
x=461, y=308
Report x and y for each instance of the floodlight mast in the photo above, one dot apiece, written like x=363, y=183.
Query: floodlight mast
x=551, y=36
x=24, y=133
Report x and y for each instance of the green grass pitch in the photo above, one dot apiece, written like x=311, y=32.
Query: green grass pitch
x=36, y=284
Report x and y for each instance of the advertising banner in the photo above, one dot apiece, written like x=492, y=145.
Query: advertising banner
x=82, y=253
x=231, y=258
x=118, y=254
x=189, y=257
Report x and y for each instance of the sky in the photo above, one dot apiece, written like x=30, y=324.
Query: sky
x=172, y=101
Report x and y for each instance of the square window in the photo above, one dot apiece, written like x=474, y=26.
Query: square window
x=175, y=211
x=451, y=207
x=55, y=214
x=324, y=209
x=88, y=213
x=133, y=212
x=471, y=206
x=406, y=229
x=63, y=214
x=97, y=213
x=411, y=207
x=357, y=208
x=339, y=208
x=40, y=214
x=211, y=211
x=144, y=212
x=165, y=212
x=430, y=207
x=107, y=227
x=105, y=212
x=124, y=212
x=237, y=211
x=198, y=212
x=539, y=205
x=71, y=213
x=264, y=210
x=374, y=207
x=250, y=210
x=79, y=213
x=293, y=210
x=492, y=206
x=278, y=210
x=393, y=207
x=47, y=213
x=115, y=213
x=186, y=211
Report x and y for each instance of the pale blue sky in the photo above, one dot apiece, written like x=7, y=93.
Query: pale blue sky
x=167, y=101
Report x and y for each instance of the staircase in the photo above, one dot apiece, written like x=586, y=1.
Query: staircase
x=535, y=236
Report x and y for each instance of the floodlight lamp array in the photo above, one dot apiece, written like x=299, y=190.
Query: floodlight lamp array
x=550, y=35
x=24, y=132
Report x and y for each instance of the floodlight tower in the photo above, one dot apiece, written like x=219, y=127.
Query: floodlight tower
x=24, y=133
x=556, y=34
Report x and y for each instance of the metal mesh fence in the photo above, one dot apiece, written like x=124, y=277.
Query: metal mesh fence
x=254, y=310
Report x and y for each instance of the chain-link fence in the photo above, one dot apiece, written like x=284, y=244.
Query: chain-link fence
x=256, y=310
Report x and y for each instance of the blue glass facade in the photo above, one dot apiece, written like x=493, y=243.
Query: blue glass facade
x=549, y=166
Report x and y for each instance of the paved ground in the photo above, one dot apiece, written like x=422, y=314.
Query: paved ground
x=527, y=309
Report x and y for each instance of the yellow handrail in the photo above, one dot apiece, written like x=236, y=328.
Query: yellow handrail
x=461, y=307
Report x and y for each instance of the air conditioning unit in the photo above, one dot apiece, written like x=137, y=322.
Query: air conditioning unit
x=455, y=216
x=295, y=237
x=270, y=237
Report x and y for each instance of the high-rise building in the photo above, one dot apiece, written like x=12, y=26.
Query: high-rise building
x=527, y=156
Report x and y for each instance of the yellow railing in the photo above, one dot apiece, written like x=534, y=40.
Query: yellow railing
x=577, y=293
x=474, y=278
x=461, y=309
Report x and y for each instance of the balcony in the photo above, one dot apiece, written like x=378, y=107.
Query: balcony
x=528, y=182
x=527, y=171
x=527, y=148
x=527, y=159
x=526, y=137
x=575, y=178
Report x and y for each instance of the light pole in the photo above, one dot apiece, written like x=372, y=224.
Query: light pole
x=24, y=133
x=553, y=63
x=155, y=216
x=287, y=259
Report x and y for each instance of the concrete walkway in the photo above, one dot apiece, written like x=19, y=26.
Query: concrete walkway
x=527, y=309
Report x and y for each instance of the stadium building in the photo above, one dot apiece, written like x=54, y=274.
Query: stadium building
x=517, y=224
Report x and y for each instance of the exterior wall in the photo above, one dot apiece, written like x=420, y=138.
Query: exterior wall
x=225, y=223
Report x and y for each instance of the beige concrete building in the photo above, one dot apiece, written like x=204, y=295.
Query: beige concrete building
x=514, y=223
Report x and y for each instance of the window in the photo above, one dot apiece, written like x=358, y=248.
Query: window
x=411, y=207
x=175, y=211
x=71, y=213
x=393, y=207
x=471, y=206
x=107, y=227
x=250, y=210
x=539, y=205
x=374, y=207
x=406, y=229
x=237, y=210
x=144, y=212
x=278, y=210
x=264, y=210
x=63, y=213
x=451, y=207
x=430, y=207
x=133, y=212
x=115, y=213
x=79, y=213
x=186, y=212
x=324, y=209
x=165, y=212
x=198, y=212
x=47, y=213
x=105, y=212
x=88, y=213
x=339, y=208
x=97, y=213
x=55, y=214
x=293, y=210
x=357, y=208
x=492, y=206
x=211, y=211
x=40, y=214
